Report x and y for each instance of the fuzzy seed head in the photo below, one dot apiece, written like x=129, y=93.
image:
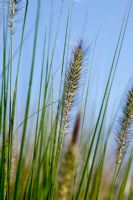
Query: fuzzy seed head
x=13, y=7
x=70, y=90
x=125, y=124
x=72, y=81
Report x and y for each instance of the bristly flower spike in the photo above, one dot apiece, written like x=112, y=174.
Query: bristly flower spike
x=13, y=8
x=125, y=124
x=71, y=85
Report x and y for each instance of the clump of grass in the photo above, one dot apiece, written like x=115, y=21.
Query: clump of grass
x=68, y=166
x=125, y=124
x=36, y=177
x=123, y=140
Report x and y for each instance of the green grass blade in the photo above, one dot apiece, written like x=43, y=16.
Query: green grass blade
x=27, y=104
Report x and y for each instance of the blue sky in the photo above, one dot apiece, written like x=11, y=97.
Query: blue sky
x=92, y=18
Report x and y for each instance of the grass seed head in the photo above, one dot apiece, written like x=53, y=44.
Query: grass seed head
x=71, y=85
x=13, y=7
x=72, y=81
x=125, y=124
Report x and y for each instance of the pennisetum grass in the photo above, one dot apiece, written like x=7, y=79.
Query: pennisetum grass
x=103, y=108
x=71, y=86
x=125, y=125
x=70, y=89
x=38, y=167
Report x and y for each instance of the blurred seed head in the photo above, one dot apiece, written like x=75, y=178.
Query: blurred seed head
x=68, y=166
